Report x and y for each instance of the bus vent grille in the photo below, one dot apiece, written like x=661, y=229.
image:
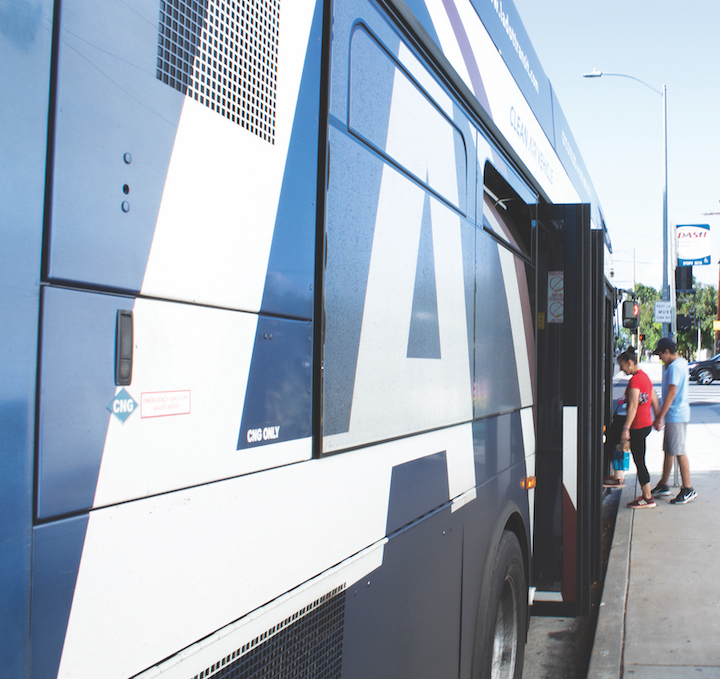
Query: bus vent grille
x=306, y=644
x=224, y=54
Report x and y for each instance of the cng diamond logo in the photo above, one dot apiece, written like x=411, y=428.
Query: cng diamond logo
x=122, y=406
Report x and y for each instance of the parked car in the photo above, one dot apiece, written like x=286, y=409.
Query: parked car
x=704, y=372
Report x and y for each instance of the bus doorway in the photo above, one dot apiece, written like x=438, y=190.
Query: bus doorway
x=572, y=299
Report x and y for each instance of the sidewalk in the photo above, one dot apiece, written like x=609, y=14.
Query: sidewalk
x=660, y=611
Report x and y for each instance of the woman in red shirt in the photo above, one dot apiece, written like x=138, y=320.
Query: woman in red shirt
x=642, y=407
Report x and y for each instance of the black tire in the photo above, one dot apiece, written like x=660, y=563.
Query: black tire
x=705, y=376
x=504, y=621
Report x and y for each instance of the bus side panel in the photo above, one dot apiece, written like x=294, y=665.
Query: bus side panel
x=25, y=54
x=403, y=620
x=205, y=382
x=197, y=560
x=175, y=187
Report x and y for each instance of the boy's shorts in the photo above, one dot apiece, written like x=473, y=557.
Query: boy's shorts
x=674, y=442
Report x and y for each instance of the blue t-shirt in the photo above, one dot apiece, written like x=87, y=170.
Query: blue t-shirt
x=677, y=373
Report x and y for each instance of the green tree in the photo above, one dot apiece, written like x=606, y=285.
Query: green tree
x=703, y=300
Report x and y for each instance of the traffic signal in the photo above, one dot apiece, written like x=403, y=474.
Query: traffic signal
x=686, y=322
x=683, y=279
x=630, y=314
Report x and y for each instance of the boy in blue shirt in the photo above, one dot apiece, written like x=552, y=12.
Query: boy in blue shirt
x=674, y=415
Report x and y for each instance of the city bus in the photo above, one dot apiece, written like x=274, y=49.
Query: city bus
x=303, y=341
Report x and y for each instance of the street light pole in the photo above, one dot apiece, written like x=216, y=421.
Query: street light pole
x=668, y=257
x=668, y=291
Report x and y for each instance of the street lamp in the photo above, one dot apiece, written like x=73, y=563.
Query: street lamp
x=668, y=291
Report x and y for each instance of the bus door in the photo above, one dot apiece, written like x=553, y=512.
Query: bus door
x=569, y=409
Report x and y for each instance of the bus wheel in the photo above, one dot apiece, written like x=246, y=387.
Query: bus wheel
x=504, y=643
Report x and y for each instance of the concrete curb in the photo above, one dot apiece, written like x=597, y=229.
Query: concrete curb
x=607, y=654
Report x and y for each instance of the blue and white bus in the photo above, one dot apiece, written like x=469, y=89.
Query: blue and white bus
x=303, y=336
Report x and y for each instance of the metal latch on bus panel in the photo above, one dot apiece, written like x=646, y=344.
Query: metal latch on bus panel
x=124, y=347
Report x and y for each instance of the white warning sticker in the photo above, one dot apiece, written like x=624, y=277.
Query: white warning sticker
x=164, y=403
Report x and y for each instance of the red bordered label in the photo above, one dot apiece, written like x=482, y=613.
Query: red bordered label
x=164, y=403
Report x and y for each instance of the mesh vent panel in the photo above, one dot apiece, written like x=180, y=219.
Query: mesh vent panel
x=224, y=54
x=307, y=644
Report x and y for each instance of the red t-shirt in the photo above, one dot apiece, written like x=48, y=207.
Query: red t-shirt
x=644, y=415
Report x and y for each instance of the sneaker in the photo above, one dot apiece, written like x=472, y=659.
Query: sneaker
x=684, y=496
x=611, y=482
x=660, y=490
x=642, y=503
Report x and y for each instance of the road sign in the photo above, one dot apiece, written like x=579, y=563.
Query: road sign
x=663, y=312
x=693, y=244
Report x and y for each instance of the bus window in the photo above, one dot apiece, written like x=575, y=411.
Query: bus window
x=505, y=213
x=422, y=141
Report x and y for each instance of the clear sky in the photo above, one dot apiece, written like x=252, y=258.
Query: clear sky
x=617, y=122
